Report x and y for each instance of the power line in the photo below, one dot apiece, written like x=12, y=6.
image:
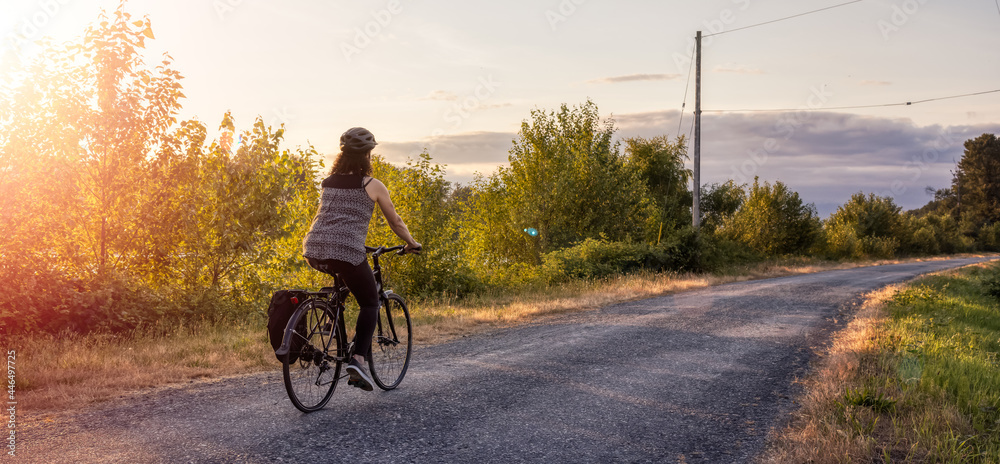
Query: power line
x=787, y=17
x=909, y=103
x=680, y=119
x=691, y=132
x=998, y=5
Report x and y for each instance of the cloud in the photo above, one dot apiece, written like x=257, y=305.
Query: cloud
x=736, y=68
x=634, y=77
x=464, y=154
x=824, y=156
x=441, y=95
x=875, y=83
x=464, y=148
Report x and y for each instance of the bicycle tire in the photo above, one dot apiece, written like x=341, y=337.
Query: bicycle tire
x=391, y=344
x=312, y=370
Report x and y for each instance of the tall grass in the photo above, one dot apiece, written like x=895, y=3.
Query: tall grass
x=914, y=378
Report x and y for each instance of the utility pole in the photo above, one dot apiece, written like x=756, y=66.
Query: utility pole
x=696, y=206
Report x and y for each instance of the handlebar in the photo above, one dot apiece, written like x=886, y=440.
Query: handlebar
x=399, y=249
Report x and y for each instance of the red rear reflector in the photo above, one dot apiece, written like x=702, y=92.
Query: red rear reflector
x=295, y=300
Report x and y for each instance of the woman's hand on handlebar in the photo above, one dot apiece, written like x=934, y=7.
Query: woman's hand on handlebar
x=415, y=248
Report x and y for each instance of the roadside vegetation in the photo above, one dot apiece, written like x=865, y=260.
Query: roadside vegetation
x=70, y=370
x=125, y=231
x=914, y=378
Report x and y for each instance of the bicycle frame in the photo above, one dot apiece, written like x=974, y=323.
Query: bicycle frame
x=314, y=345
x=383, y=296
x=335, y=297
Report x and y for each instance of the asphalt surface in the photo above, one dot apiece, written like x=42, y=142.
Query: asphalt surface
x=699, y=376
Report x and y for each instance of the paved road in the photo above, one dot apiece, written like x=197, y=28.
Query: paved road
x=700, y=376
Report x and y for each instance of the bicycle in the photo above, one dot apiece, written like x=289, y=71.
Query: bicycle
x=315, y=347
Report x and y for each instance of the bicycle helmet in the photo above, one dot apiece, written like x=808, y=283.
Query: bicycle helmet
x=357, y=139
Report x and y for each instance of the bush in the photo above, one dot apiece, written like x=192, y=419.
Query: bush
x=989, y=237
x=864, y=227
x=595, y=258
x=772, y=221
x=879, y=247
x=932, y=234
x=924, y=241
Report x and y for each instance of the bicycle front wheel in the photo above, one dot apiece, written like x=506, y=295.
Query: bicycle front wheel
x=312, y=366
x=391, y=344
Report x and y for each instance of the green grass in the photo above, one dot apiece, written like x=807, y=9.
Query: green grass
x=914, y=377
x=940, y=348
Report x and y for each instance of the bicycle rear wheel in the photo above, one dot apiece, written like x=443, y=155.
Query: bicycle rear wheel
x=312, y=366
x=391, y=344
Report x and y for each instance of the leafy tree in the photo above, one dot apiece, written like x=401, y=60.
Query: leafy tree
x=85, y=120
x=977, y=180
x=719, y=202
x=932, y=233
x=865, y=226
x=234, y=207
x=660, y=164
x=111, y=213
x=496, y=250
x=772, y=221
x=423, y=198
x=568, y=180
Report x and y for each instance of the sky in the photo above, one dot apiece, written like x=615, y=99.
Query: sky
x=457, y=78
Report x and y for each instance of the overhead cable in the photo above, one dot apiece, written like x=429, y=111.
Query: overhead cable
x=909, y=103
x=783, y=19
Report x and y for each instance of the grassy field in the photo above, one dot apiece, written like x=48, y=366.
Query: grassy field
x=71, y=371
x=914, y=378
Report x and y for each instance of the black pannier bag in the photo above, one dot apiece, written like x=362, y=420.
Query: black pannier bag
x=283, y=304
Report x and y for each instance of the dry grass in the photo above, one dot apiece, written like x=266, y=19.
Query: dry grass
x=66, y=371
x=815, y=434
x=71, y=371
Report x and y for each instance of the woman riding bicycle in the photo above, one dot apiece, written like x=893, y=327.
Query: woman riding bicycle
x=335, y=243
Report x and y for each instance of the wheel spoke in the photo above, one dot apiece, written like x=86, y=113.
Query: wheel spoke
x=312, y=379
x=392, y=344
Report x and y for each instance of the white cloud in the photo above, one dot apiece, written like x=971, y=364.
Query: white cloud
x=634, y=78
x=441, y=95
x=452, y=149
x=825, y=156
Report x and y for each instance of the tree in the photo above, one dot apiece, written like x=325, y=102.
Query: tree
x=772, y=221
x=568, y=180
x=111, y=213
x=234, y=210
x=719, y=202
x=423, y=198
x=659, y=163
x=977, y=180
x=865, y=226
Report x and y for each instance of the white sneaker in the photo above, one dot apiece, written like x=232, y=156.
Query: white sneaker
x=359, y=376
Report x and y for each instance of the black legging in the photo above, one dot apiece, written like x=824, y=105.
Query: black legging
x=360, y=280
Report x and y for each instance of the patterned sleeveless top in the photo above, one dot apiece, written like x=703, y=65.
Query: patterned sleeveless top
x=340, y=227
